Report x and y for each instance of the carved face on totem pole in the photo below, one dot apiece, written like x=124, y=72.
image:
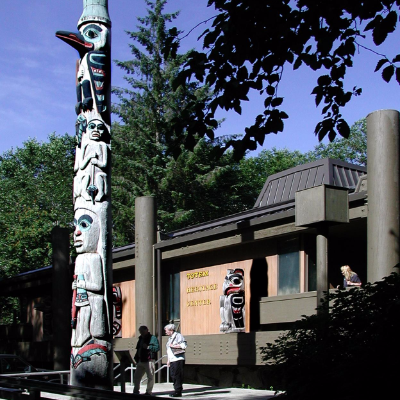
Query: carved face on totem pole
x=95, y=34
x=96, y=129
x=87, y=231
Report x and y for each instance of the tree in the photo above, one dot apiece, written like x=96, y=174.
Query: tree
x=252, y=42
x=36, y=195
x=199, y=187
x=144, y=140
x=351, y=354
x=352, y=149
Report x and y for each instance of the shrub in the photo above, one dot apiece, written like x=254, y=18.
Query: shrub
x=349, y=353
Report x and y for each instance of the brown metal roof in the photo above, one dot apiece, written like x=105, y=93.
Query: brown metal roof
x=282, y=187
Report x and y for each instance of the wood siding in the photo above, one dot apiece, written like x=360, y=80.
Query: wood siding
x=203, y=317
x=128, y=309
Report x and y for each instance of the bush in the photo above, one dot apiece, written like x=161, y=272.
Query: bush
x=349, y=353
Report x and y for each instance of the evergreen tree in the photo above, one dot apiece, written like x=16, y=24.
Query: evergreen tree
x=144, y=142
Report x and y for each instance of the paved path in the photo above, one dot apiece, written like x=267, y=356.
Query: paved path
x=193, y=392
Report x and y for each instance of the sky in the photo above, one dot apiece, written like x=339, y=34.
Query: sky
x=37, y=82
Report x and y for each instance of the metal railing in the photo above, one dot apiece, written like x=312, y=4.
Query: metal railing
x=44, y=373
x=132, y=368
x=159, y=369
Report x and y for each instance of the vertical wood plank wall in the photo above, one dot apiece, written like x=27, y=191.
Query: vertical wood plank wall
x=205, y=318
x=272, y=262
x=128, y=309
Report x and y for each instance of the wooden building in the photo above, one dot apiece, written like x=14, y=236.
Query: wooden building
x=275, y=260
x=277, y=257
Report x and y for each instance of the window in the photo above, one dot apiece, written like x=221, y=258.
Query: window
x=172, y=295
x=288, y=267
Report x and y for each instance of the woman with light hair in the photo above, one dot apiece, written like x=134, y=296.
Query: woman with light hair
x=350, y=278
x=176, y=346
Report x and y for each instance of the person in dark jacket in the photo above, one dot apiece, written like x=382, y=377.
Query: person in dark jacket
x=146, y=353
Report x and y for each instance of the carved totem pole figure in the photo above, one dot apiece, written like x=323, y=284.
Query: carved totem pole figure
x=91, y=354
x=232, y=310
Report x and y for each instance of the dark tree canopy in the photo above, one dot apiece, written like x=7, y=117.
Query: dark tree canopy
x=251, y=43
x=35, y=196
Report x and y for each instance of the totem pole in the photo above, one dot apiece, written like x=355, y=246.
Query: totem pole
x=232, y=302
x=91, y=354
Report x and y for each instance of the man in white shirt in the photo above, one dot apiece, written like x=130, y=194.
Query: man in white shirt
x=176, y=346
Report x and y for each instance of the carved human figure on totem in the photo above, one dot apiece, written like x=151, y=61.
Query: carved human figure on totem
x=232, y=302
x=91, y=162
x=89, y=282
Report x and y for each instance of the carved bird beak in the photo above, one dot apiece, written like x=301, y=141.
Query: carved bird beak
x=76, y=40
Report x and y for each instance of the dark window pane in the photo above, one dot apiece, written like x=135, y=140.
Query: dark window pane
x=174, y=296
x=289, y=267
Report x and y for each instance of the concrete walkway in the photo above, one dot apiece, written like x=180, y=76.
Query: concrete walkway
x=192, y=392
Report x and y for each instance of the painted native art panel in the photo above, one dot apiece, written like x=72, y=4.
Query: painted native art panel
x=91, y=321
x=117, y=312
x=232, y=302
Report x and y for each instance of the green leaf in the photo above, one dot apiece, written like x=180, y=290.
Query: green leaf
x=343, y=128
x=277, y=101
x=380, y=63
x=387, y=73
x=398, y=75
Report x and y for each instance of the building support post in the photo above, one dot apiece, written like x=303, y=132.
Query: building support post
x=61, y=298
x=322, y=263
x=383, y=193
x=159, y=323
x=145, y=238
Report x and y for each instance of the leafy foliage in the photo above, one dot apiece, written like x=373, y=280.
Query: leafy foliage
x=352, y=149
x=351, y=353
x=35, y=196
x=35, y=192
x=252, y=42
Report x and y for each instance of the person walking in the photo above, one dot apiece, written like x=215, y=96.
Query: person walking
x=146, y=353
x=176, y=346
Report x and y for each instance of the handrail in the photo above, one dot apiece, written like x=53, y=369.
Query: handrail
x=159, y=369
x=132, y=368
x=35, y=387
x=42, y=373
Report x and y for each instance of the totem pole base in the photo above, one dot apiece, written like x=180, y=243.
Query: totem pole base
x=90, y=365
